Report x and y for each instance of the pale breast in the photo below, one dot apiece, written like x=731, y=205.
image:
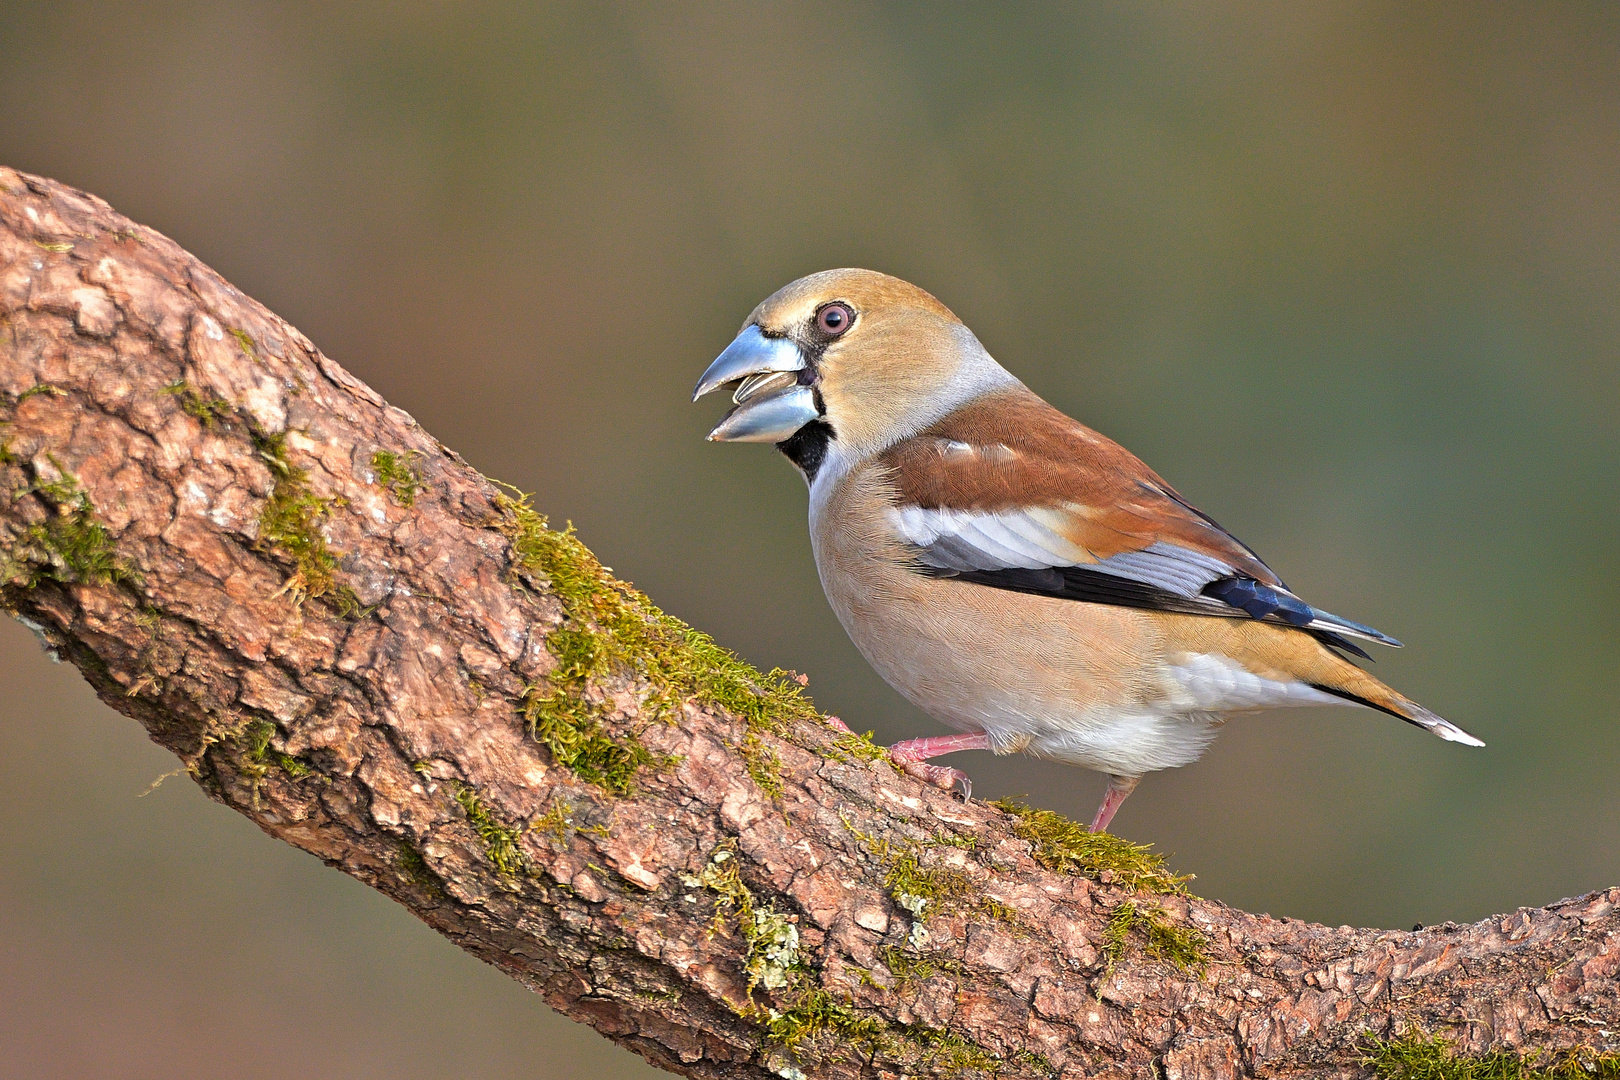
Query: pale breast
x=1112, y=688
x=974, y=657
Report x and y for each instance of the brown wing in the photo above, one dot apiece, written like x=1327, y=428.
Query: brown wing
x=1009, y=492
x=1020, y=452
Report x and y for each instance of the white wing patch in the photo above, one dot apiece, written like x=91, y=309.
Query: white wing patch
x=953, y=448
x=1032, y=538
x=1029, y=539
x=963, y=540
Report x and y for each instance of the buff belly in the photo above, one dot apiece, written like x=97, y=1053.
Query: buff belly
x=1092, y=685
x=1120, y=690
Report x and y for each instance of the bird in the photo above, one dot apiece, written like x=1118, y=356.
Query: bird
x=1022, y=579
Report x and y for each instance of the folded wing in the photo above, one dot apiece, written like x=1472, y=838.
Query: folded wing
x=1010, y=493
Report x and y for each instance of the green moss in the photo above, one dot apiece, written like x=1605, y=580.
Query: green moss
x=556, y=822
x=998, y=911
x=38, y=389
x=56, y=247
x=296, y=768
x=559, y=824
x=260, y=757
x=1180, y=946
x=951, y=1051
x=500, y=841
x=244, y=341
x=290, y=523
x=764, y=766
x=924, y=890
x=568, y=727
x=1034, y=1062
x=721, y=876
x=1416, y=1056
x=816, y=1013
x=579, y=653
x=611, y=626
x=193, y=403
x=255, y=740
x=416, y=869
x=397, y=473
x=919, y=888
x=907, y=968
x=293, y=767
x=71, y=546
x=852, y=747
x=817, y=1019
x=1069, y=847
x=6, y=456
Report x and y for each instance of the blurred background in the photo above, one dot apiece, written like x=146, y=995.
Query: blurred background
x=1345, y=273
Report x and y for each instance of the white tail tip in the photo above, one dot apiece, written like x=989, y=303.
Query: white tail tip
x=1453, y=733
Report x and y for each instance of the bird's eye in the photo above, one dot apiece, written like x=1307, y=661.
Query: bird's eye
x=834, y=319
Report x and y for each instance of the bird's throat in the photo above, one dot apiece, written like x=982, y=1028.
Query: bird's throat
x=807, y=447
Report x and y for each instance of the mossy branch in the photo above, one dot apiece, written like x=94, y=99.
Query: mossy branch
x=611, y=627
x=1413, y=1055
x=500, y=841
x=462, y=707
x=70, y=546
x=290, y=523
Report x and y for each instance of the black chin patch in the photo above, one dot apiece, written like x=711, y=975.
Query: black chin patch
x=807, y=447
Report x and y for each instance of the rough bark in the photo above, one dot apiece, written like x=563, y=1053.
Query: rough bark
x=372, y=714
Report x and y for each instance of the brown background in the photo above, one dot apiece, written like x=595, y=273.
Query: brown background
x=1346, y=274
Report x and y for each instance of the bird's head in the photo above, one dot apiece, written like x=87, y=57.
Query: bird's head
x=851, y=356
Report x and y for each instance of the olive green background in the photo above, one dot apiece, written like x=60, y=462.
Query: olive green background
x=1347, y=274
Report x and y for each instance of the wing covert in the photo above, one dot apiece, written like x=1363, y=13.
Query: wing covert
x=1010, y=493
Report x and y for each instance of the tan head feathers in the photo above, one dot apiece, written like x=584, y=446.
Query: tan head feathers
x=903, y=361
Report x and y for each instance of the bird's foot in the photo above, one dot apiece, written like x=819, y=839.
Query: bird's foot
x=838, y=725
x=940, y=776
x=911, y=757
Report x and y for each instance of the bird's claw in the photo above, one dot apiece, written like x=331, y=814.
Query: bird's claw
x=940, y=776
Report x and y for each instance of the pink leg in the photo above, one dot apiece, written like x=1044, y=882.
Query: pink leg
x=1118, y=788
x=838, y=725
x=912, y=756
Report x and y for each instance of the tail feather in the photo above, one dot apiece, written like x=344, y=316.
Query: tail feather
x=1405, y=709
x=1286, y=655
x=1326, y=620
x=1273, y=602
x=1438, y=725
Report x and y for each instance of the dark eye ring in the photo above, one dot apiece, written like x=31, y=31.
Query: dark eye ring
x=834, y=319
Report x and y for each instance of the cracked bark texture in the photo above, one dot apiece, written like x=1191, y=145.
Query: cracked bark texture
x=358, y=739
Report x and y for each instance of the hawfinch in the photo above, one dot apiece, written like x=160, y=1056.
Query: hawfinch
x=1017, y=576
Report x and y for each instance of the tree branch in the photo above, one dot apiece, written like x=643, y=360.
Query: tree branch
x=350, y=636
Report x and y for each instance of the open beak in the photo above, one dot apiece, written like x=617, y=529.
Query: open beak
x=770, y=403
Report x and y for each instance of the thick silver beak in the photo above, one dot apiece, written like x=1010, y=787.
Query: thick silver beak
x=751, y=354
x=770, y=404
